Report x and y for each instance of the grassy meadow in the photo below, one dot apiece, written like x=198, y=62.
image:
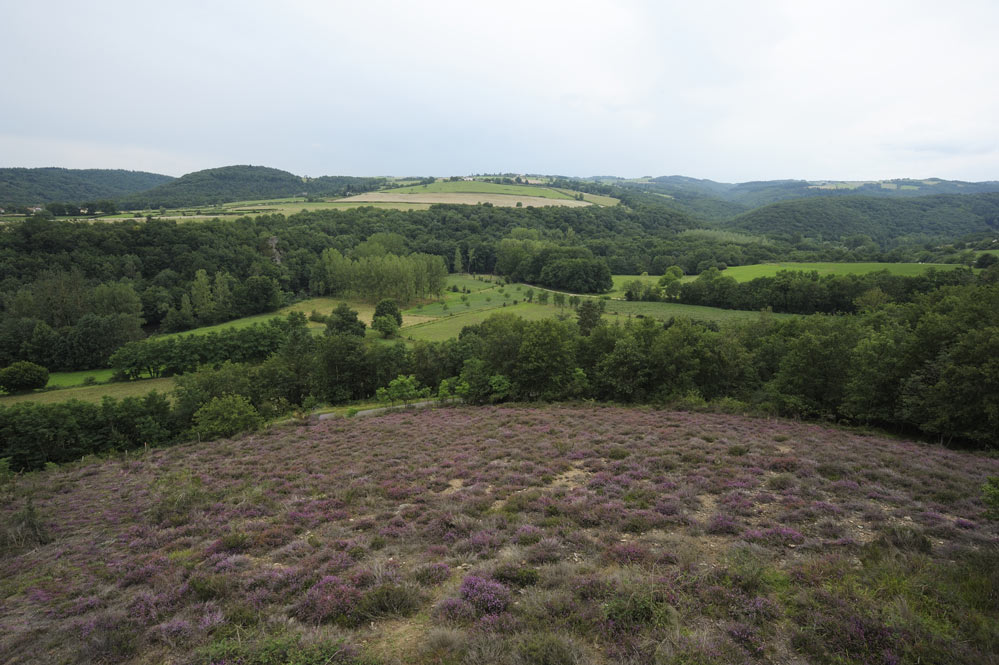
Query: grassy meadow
x=583, y=535
x=94, y=393
x=746, y=273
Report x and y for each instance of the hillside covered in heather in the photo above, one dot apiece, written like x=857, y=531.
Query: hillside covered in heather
x=562, y=534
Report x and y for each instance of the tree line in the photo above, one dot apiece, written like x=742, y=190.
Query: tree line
x=927, y=366
x=795, y=291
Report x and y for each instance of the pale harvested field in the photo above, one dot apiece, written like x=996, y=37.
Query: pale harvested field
x=467, y=198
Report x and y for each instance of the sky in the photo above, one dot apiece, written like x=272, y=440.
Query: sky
x=722, y=89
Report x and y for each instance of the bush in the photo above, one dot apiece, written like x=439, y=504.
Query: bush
x=389, y=600
x=226, y=416
x=23, y=376
x=386, y=325
x=990, y=495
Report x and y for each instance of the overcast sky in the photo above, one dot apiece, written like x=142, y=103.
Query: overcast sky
x=728, y=90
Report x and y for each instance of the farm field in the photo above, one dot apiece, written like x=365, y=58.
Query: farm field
x=478, y=187
x=449, y=326
x=560, y=534
x=93, y=394
x=460, y=198
x=746, y=273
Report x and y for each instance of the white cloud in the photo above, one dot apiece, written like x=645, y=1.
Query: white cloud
x=721, y=89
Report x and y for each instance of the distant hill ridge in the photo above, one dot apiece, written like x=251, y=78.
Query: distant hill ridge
x=24, y=186
x=241, y=183
x=950, y=215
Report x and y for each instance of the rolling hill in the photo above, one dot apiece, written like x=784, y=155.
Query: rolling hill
x=242, y=183
x=21, y=186
x=880, y=218
x=719, y=201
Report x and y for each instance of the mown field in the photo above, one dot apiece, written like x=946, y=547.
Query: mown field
x=459, y=198
x=746, y=273
x=478, y=187
x=582, y=535
x=93, y=394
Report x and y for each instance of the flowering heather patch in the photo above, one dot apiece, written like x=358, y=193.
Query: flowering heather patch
x=486, y=596
x=710, y=539
x=329, y=600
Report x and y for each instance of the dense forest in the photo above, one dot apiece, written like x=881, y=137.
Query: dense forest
x=22, y=187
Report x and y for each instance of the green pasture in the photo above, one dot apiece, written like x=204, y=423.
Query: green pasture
x=365, y=312
x=617, y=310
x=476, y=187
x=94, y=394
x=617, y=291
x=68, y=379
x=746, y=273
x=449, y=326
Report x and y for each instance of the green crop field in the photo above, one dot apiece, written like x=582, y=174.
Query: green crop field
x=93, y=394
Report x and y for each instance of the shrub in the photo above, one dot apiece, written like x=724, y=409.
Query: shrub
x=226, y=416
x=990, y=496
x=905, y=539
x=386, y=325
x=389, y=600
x=23, y=528
x=547, y=649
x=432, y=574
x=484, y=595
x=516, y=575
x=330, y=600
x=23, y=376
x=177, y=495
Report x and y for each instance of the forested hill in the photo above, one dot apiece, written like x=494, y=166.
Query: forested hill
x=718, y=201
x=832, y=218
x=21, y=186
x=238, y=183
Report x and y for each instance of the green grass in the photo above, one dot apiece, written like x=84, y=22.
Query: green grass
x=449, y=326
x=622, y=309
x=322, y=305
x=475, y=187
x=68, y=379
x=597, y=199
x=746, y=273
x=93, y=394
x=621, y=280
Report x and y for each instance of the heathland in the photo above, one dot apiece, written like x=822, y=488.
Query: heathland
x=561, y=534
